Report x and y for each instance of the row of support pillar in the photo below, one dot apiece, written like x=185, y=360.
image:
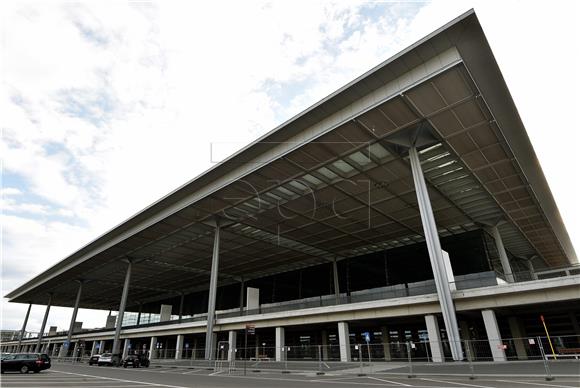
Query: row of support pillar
x=431, y=322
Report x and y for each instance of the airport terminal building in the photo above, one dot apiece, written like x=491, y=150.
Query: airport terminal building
x=407, y=207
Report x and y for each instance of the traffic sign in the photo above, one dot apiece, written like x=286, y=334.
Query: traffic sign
x=367, y=336
x=251, y=329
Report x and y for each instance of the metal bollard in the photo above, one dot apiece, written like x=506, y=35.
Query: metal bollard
x=320, y=372
x=360, y=360
x=410, y=361
x=470, y=361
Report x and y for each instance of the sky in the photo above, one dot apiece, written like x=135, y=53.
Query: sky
x=107, y=106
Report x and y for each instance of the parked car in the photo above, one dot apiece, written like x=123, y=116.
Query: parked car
x=105, y=359
x=136, y=361
x=94, y=360
x=132, y=360
x=25, y=362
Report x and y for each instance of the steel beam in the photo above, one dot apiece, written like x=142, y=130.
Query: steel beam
x=24, y=326
x=119, y=323
x=505, y=263
x=209, y=338
x=64, y=349
x=435, y=255
x=336, y=284
x=41, y=333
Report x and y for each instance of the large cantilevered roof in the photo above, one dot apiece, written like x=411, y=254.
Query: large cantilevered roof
x=335, y=182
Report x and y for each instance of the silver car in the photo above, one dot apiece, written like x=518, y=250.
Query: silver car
x=105, y=359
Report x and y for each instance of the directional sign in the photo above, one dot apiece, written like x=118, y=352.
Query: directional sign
x=251, y=329
x=367, y=336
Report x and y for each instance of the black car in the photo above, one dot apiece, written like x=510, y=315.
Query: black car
x=136, y=361
x=94, y=360
x=25, y=362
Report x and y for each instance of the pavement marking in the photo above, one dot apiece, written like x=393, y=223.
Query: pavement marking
x=389, y=381
x=462, y=384
x=327, y=381
x=127, y=381
x=192, y=371
x=333, y=379
x=541, y=384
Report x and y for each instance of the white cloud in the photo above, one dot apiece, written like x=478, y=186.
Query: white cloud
x=9, y=191
x=108, y=105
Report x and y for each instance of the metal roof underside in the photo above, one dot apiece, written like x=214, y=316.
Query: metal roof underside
x=343, y=194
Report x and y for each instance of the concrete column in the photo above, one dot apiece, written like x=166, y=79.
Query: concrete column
x=214, y=341
x=75, y=352
x=336, y=283
x=122, y=304
x=153, y=348
x=434, y=338
x=232, y=341
x=518, y=335
x=436, y=255
x=179, y=347
x=344, y=341
x=493, y=335
x=194, y=352
x=465, y=336
x=23, y=330
x=101, y=347
x=386, y=343
x=41, y=333
x=505, y=264
x=165, y=312
x=324, y=343
x=209, y=340
x=126, y=347
x=94, y=348
x=252, y=299
x=64, y=349
x=280, y=342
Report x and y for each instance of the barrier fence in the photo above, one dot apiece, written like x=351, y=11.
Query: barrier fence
x=512, y=349
x=559, y=355
x=531, y=356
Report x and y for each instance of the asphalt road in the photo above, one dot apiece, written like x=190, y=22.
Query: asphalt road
x=81, y=375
